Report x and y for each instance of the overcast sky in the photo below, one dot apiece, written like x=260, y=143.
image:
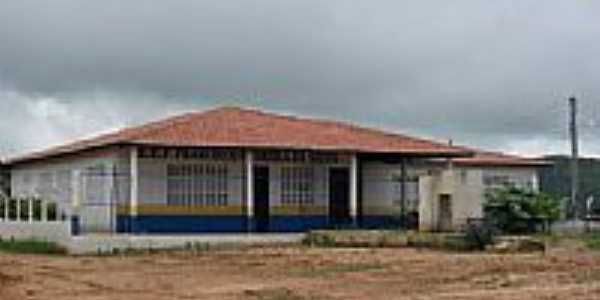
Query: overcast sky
x=492, y=74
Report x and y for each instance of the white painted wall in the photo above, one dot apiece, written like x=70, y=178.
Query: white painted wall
x=68, y=183
x=59, y=232
x=467, y=190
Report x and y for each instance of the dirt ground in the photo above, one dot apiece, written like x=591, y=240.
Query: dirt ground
x=296, y=273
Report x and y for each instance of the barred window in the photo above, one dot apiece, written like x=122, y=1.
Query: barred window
x=297, y=185
x=496, y=180
x=203, y=184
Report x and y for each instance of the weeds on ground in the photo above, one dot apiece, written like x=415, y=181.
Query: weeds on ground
x=395, y=239
x=31, y=246
x=590, y=240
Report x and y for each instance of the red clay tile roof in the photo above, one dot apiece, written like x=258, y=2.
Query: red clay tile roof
x=488, y=158
x=237, y=127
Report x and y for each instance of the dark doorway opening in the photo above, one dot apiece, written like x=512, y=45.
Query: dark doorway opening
x=261, y=198
x=339, y=197
x=445, y=213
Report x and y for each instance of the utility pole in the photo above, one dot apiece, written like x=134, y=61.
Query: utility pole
x=574, y=156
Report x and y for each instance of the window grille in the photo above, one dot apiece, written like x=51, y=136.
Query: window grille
x=297, y=185
x=198, y=184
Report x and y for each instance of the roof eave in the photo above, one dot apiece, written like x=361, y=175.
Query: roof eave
x=429, y=154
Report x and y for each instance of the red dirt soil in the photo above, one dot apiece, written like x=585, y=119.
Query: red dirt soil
x=297, y=273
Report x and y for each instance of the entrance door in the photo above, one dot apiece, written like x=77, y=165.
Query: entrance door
x=339, y=196
x=445, y=213
x=261, y=198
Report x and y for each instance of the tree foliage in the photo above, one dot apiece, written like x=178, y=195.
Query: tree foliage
x=517, y=210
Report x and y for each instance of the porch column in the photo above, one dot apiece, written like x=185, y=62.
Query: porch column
x=30, y=210
x=18, y=217
x=249, y=189
x=134, y=181
x=354, y=189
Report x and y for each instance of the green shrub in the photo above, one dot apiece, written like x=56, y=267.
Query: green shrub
x=478, y=236
x=516, y=210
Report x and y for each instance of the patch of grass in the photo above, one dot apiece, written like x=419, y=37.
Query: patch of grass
x=31, y=246
x=356, y=238
x=319, y=240
x=590, y=240
x=389, y=239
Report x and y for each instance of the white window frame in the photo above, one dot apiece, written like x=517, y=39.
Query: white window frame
x=198, y=184
x=297, y=184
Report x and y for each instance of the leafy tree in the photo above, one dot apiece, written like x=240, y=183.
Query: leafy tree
x=517, y=210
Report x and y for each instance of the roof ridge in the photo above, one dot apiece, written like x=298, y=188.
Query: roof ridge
x=348, y=124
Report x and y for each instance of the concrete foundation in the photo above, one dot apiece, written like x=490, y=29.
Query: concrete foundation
x=98, y=244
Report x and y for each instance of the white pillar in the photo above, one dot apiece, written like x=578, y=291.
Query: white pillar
x=30, y=210
x=77, y=185
x=133, y=164
x=249, y=185
x=354, y=187
x=18, y=217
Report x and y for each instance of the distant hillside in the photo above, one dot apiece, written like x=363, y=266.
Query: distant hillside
x=557, y=179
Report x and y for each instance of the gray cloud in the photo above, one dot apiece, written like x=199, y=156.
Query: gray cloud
x=484, y=73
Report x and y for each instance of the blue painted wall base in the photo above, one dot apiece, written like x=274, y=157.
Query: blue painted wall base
x=297, y=223
x=239, y=224
x=181, y=224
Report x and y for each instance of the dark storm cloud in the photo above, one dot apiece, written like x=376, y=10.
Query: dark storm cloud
x=494, y=74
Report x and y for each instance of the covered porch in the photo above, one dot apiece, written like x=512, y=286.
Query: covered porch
x=170, y=190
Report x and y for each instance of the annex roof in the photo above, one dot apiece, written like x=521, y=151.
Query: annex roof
x=488, y=158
